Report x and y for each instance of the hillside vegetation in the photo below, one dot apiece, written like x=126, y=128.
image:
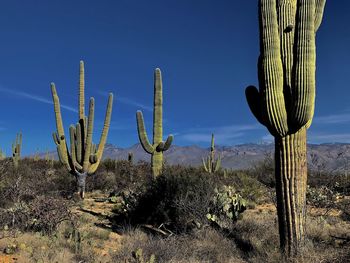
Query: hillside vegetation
x=128, y=217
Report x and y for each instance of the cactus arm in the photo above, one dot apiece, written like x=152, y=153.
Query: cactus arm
x=85, y=121
x=158, y=108
x=60, y=131
x=99, y=151
x=271, y=69
x=72, y=133
x=319, y=13
x=106, y=125
x=217, y=164
x=168, y=142
x=19, y=144
x=143, y=134
x=81, y=90
x=305, y=65
x=79, y=143
x=204, y=165
x=90, y=127
x=55, y=138
x=253, y=99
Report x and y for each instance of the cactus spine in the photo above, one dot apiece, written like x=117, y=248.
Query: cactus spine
x=210, y=164
x=84, y=156
x=158, y=147
x=285, y=102
x=16, y=149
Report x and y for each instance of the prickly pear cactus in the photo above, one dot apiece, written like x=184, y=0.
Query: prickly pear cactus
x=227, y=204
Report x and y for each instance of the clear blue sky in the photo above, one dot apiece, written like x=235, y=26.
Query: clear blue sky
x=207, y=51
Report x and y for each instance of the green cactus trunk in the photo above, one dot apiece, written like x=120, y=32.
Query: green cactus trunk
x=291, y=176
x=157, y=163
x=158, y=147
x=83, y=156
x=285, y=102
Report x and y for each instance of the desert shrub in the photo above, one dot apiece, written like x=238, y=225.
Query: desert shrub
x=205, y=245
x=249, y=187
x=264, y=171
x=179, y=199
x=320, y=197
x=47, y=213
x=43, y=214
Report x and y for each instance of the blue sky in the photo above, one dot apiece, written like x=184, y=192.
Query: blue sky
x=207, y=51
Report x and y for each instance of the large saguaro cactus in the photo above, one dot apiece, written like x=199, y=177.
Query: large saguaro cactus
x=83, y=157
x=285, y=102
x=158, y=147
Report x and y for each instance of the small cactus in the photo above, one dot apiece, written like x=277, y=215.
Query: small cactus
x=2, y=154
x=16, y=149
x=130, y=158
x=226, y=204
x=138, y=256
x=210, y=164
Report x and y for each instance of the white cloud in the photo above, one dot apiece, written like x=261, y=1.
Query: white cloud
x=35, y=98
x=129, y=102
x=329, y=137
x=223, y=134
x=333, y=119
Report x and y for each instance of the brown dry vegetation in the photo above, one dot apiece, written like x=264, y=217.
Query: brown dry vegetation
x=92, y=231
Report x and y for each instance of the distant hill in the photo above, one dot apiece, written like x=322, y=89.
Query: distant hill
x=329, y=156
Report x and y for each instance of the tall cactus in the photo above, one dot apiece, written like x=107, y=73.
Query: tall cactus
x=83, y=156
x=210, y=164
x=285, y=102
x=157, y=148
x=17, y=149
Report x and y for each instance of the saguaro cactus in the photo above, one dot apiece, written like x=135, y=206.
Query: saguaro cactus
x=2, y=154
x=285, y=102
x=16, y=149
x=130, y=158
x=84, y=156
x=158, y=147
x=210, y=164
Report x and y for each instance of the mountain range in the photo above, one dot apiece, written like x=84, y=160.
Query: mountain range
x=327, y=156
